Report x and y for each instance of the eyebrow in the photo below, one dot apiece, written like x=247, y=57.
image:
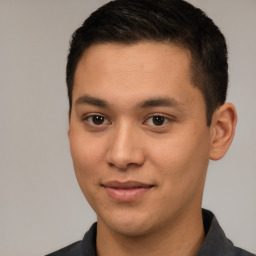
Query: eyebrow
x=85, y=99
x=159, y=102
x=152, y=102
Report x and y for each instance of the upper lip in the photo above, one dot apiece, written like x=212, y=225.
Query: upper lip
x=126, y=185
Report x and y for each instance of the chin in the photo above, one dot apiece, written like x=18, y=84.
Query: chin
x=129, y=225
x=131, y=230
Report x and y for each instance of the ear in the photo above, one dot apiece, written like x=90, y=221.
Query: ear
x=223, y=129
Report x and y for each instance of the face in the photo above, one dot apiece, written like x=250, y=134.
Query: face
x=138, y=136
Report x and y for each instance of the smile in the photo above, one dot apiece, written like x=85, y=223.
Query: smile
x=126, y=191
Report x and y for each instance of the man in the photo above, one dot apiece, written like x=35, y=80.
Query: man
x=147, y=84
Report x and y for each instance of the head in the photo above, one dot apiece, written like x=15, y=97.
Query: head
x=168, y=21
x=147, y=82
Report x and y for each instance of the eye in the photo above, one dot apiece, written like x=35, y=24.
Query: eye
x=96, y=120
x=157, y=120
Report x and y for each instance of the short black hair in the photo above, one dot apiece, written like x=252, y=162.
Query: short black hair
x=165, y=21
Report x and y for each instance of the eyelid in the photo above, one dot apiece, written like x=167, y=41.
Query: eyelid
x=107, y=121
x=90, y=115
x=167, y=117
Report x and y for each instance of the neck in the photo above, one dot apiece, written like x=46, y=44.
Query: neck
x=182, y=239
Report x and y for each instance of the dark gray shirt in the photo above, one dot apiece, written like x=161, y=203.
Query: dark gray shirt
x=215, y=243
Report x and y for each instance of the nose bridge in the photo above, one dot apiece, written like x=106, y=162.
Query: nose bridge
x=125, y=147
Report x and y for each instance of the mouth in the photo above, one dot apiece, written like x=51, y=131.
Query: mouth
x=126, y=191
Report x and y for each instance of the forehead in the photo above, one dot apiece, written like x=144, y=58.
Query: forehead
x=144, y=69
x=134, y=54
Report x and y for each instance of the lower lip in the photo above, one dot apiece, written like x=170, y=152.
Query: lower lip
x=126, y=195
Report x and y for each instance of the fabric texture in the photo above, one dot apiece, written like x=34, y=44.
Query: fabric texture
x=215, y=242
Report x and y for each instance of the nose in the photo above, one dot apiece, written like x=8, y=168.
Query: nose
x=125, y=148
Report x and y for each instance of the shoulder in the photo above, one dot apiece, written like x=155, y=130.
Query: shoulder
x=86, y=247
x=216, y=242
x=70, y=250
x=241, y=252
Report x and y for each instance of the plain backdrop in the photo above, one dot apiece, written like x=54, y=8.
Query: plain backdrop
x=41, y=206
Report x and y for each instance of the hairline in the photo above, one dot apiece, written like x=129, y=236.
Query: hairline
x=176, y=43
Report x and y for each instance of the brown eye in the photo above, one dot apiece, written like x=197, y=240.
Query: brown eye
x=158, y=120
x=96, y=120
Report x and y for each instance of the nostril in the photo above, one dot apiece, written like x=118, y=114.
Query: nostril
x=124, y=150
x=123, y=166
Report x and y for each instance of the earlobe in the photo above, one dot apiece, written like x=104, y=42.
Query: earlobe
x=223, y=129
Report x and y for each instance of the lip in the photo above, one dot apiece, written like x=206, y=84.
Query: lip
x=126, y=191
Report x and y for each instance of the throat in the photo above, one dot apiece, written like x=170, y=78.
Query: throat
x=176, y=241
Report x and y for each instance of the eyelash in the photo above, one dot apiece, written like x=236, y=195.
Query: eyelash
x=88, y=119
x=165, y=121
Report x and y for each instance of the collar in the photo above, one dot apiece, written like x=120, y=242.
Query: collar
x=215, y=242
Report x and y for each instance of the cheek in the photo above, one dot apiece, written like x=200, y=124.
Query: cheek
x=182, y=160
x=87, y=154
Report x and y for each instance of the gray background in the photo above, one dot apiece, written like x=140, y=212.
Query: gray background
x=41, y=206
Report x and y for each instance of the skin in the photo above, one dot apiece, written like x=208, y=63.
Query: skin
x=125, y=86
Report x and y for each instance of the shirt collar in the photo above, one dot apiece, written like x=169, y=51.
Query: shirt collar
x=215, y=242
